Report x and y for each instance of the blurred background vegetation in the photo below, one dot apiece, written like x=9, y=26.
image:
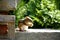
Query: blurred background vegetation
x=45, y=13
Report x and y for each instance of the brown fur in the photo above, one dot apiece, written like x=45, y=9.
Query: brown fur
x=27, y=22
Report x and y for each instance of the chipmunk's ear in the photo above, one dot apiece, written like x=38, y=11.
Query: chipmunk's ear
x=27, y=17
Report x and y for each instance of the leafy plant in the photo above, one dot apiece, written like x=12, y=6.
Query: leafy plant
x=43, y=13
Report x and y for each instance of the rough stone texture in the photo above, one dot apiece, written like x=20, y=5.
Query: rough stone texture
x=10, y=20
x=7, y=18
x=8, y=4
x=37, y=36
x=44, y=35
x=4, y=37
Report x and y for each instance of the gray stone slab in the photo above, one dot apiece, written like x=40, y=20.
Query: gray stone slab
x=8, y=4
x=7, y=18
x=37, y=35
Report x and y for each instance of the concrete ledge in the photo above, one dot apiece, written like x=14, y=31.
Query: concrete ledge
x=38, y=34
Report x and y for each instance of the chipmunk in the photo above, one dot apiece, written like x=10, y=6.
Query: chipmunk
x=25, y=23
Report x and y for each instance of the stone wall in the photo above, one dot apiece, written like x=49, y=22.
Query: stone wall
x=10, y=20
x=8, y=4
x=40, y=35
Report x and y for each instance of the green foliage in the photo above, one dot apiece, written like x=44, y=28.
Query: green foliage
x=57, y=2
x=43, y=13
x=20, y=11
